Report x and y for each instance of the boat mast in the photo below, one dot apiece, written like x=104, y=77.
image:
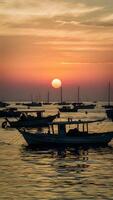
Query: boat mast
x=61, y=95
x=48, y=97
x=78, y=95
x=109, y=93
x=31, y=97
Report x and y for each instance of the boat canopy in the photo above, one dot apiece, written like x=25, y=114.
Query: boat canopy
x=76, y=122
x=62, y=125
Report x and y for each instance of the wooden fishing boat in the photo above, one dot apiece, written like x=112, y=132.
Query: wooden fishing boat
x=73, y=137
x=30, y=121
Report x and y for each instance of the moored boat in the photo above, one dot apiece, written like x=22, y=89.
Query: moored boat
x=84, y=106
x=68, y=109
x=33, y=104
x=73, y=137
x=10, y=112
x=30, y=121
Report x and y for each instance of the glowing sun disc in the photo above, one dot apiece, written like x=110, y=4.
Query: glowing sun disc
x=56, y=83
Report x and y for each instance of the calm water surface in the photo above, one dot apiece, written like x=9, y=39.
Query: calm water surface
x=55, y=174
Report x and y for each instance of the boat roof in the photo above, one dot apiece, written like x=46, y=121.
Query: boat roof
x=76, y=122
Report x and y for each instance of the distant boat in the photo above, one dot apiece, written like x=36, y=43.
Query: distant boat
x=68, y=109
x=46, y=103
x=108, y=106
x=63, y=103
x=10, y=112
x=29, y=121
x=84, y=106
x=80, y=105
x=74, y=137
x=3, y=104
x=109, y=113
x=18, y=103
x=32, y=104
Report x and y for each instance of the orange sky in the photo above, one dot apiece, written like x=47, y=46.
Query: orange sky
x=69, y=40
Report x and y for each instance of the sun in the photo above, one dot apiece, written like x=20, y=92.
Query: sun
x=56, y=83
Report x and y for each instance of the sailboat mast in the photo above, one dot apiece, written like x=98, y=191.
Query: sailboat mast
x=48, y=97
x=61, y=96
x=31, y=97
x=78, y=95
x=109, y=93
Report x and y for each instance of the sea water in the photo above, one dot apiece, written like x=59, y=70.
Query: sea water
x=56, y=174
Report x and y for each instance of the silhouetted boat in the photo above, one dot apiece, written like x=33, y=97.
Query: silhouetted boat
x=84, y=106
x=10, y=112
x=18, y=103
x=28, y=121
x=32, y=104
x=68, y=109
x=47, y=104
x=3, y=104
x=80, y=105
x=73, y=137
x=109, y=113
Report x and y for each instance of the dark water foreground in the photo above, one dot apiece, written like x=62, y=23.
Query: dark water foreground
x=54, y=174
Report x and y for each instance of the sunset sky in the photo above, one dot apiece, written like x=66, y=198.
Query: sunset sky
x=67, y=39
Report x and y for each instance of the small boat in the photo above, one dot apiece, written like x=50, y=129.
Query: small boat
x=10, y=112
x=46, y=103
x=32, y=104
x=84, y=106
x=109, y=113
x=68, y=109
x=3, y=104
x=63, y=103
x=74, y=137
x=81, y=105
x=30, y=121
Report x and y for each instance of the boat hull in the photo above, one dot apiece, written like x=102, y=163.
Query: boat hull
x=55, y=140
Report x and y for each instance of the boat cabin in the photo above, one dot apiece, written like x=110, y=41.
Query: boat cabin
x=27, y=114
x=81, y=127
